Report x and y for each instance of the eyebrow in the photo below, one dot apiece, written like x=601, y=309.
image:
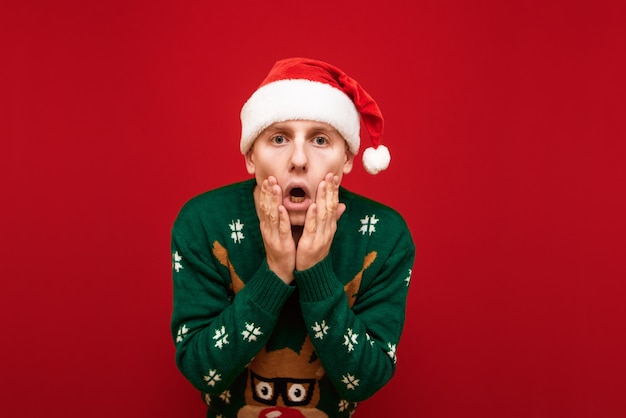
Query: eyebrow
x=315, y=127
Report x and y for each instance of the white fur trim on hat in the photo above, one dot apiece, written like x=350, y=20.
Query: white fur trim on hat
x=299, y=99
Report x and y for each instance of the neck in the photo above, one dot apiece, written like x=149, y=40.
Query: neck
x=296, y=231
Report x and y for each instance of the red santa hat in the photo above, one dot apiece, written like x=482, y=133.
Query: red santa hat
x=308, y=89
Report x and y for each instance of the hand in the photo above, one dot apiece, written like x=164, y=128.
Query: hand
x=320, y=224
x=280, y=247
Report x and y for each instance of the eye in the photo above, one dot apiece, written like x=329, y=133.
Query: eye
x=264, y=391
x=278, y=139
x=297, y=392
x=320, y=140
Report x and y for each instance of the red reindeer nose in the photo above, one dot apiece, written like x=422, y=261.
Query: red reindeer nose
x=280, y=412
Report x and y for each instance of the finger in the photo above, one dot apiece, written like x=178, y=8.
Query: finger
x=275, y=203
x=310, y=220
x=268, y=204
x=333, y=198
x=284, y=226
x=266, y=197
x=322, y=200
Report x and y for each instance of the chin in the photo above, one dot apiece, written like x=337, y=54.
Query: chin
x=296, y=219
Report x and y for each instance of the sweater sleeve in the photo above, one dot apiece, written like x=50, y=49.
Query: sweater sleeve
x=357, y=346
x=216, y=332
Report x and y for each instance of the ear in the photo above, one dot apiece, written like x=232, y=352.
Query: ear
x=347, y=165
x=250, y=162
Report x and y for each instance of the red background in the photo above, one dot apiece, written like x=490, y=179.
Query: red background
x=506, y=125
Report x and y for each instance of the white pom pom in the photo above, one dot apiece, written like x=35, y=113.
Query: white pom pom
x=376, y=160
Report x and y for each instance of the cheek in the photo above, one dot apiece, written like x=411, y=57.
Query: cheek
x=344, y=166
x=258, y=164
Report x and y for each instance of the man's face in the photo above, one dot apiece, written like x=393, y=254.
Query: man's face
x=299, y=154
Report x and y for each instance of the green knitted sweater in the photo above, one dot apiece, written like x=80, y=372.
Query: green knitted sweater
x=252, y=344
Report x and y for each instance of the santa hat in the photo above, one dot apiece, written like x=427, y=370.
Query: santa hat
x=307, y=89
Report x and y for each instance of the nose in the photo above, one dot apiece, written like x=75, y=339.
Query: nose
x=299, y=160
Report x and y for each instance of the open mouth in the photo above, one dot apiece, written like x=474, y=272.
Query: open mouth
x=296, y=195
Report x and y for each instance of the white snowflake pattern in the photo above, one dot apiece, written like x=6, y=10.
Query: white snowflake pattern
x=408, y=279
x=212, y=377
x=251, y=332
x=368, y=225
x=350, y=339
x=343, y=405
x=220, y=337
x=236, y=227
x=225, y=396
x=351, y=381
x=347, y=406
x=176, y=261
x=320, y=329
x=207, y=398
x=369, y=339
x=182, y=332
x=392, y=352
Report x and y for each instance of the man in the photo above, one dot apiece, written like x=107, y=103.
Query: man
x=289, y=290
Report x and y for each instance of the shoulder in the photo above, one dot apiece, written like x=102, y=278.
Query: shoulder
x=372, y=222
x=370, y=227
x=219, y=199
x=216, y=203
x=358, y=205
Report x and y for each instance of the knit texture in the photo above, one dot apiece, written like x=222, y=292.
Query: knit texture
x=251, y=344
